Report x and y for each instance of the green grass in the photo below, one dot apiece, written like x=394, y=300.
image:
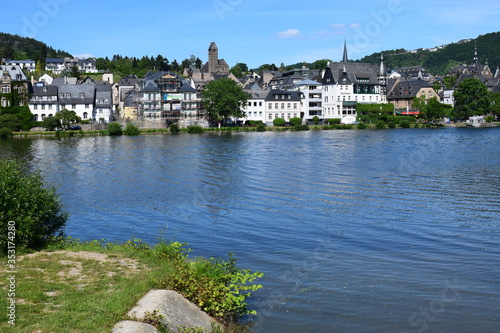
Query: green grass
x=59, y=292
x=76, y=286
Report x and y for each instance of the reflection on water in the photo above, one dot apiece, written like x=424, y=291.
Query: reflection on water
x=393, y=230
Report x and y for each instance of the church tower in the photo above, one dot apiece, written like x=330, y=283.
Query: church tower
x=382, y=75
x=213, y=58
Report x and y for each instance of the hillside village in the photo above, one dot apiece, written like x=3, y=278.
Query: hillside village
x=163, y=97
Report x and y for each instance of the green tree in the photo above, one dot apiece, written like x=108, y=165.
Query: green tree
x=435, y=110
x=495, y=103
x=51, y=123
x=224, y=99
x=471, y=98
x=239, y=69
x=33, y=207
x=67, y=117
x=10, y=121
x=22, y=113
x=279, y=122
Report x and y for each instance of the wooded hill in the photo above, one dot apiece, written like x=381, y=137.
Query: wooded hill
x=14, y=47
x=442, y=60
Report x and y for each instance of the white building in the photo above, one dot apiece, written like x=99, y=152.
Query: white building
x=28, y=65
x=44, y=102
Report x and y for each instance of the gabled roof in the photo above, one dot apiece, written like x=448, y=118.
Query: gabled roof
x=328, y=78
x=357, y=72
x=150, y=85
x=186, y=87
x=59, y=81
x=406, y=89
x=257, y=94
x=103, y=99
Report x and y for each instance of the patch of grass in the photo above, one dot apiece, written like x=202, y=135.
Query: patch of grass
x=77, y=286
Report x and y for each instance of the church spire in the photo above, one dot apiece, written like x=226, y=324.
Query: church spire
x=381, y=70
x=345, y=59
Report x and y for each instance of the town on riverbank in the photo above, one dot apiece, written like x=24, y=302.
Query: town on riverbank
x=74, y=95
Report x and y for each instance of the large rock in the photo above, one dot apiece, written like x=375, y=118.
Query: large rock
x=128, y=326
x=175, y=309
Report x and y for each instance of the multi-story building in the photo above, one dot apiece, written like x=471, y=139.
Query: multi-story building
x=44, y=101
x=346, y=84
x=29, y=65
x=14, y=86
x=284, y=104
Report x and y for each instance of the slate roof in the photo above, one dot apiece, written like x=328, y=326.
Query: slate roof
x=271, y=96
x=129, y=80
x=45, y=91
x=103, y=98
x=406, y=89
x=59, y=81
x=14, y=71
x=356, y=71
x=76, y=94
x=186, y=87
x=54, y=60
x=150, y=85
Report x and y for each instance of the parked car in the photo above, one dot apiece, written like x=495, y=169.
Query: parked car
x=75, y=128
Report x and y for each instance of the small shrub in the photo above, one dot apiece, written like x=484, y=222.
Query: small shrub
x=295, y=121
x=361, y=126
x=489, y=119
x=218, y=287
x=174, y=128
x=404, y=124
x=347, y=126
x=131, y=129
x=315, y=120
x=5, y=132
x=391, y=125
x=195, y=129
x=261, y=127
x=279, y=122
x=34, y=207
x=115, y=129
x=334, y=121
x=380, y=125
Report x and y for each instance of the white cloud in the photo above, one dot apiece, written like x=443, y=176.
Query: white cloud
x=290, y=33
x=355, y=26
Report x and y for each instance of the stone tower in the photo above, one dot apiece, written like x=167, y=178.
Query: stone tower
x=213, y=58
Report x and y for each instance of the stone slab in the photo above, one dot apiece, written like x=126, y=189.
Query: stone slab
x=128, y=326
x=176, y=310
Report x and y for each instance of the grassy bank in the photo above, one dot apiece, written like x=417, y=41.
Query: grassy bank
x=78, y=286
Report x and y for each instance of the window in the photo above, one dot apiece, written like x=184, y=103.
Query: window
x=276, y=106
x=295, y=106
x=61, y=95
x=260, y=103
x=43, y=106
x=326, y=99
x=73, y=106
x=35, y=107
x=254, y=103
x=249, y=103
x=270, y=106
x=43, y=116
x=82, y=95
x=270, y=116
x=63, y=106
x=282, y=106
x=50, y=106
x=68, y=95
x=5, y=89
x=87, y=106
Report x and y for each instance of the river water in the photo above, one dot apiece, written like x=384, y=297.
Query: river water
x=356, y=230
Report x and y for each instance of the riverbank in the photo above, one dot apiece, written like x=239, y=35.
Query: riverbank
x=59, y=289
x=42, y=134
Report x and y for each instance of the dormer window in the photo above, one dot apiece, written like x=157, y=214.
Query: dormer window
x=101, y=101
x=68, y=95
x=82, y=95
x=44, y=89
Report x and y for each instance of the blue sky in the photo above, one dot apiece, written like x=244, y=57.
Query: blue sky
x=254, y=32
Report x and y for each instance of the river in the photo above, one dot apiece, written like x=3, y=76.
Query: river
x=355, y=230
